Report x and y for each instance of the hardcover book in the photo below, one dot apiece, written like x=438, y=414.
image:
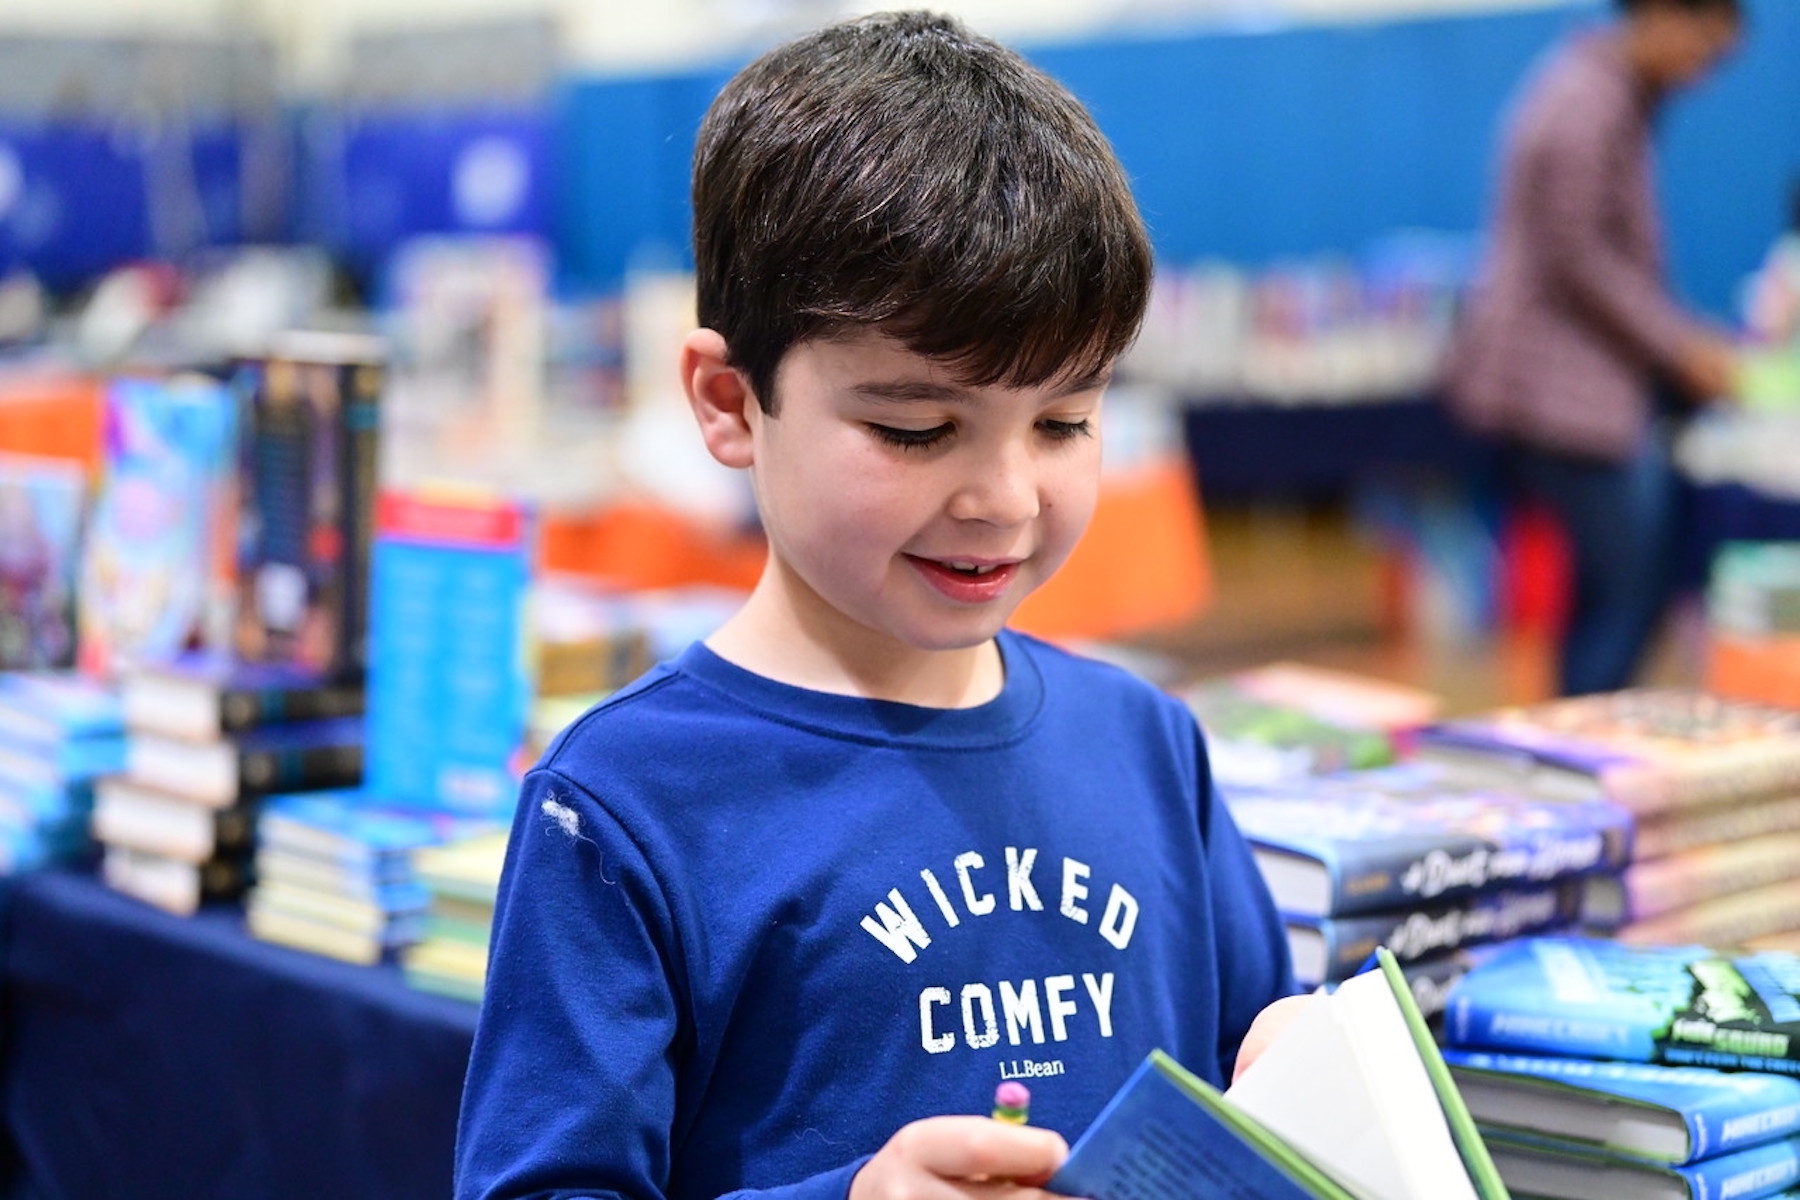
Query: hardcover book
x=130, y=814
x=1280, y=1131
x=272, y=758
x=1673, y=1115
x=46, y=707
x=1652, y=750
x=1588, y=997
x=170, y=884
x=1557, y=1172
x=1327, y=949
x=208, y=697
x=1417, y=833
x=42, y=507
x=310, y=457
x=157, y=572
x=1662, y=886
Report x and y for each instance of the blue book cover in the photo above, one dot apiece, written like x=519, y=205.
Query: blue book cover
x=1539, y=1167
x=1683, y=1005
x=1675, y=1115
x=45, y=707
x=1327, y=949
x=1169, y=1134
x=352, y=828
x=450, y=671
x=1405, y=836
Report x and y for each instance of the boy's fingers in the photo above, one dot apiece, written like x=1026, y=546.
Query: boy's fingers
x=982, y=1148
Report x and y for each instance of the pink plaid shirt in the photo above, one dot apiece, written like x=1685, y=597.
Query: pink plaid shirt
x=1571, y=318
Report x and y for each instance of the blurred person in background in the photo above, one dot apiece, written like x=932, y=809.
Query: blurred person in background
x=1571, y=341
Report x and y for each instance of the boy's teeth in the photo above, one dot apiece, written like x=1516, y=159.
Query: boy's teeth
x=970, y=568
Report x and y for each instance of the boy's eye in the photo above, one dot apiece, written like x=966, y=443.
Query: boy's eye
x=1063, y=431
x=912, y=439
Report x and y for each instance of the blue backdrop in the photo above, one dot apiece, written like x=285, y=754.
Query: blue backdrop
x=1251, y=145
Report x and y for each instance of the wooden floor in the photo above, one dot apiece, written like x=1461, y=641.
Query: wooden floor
x=1306, y=583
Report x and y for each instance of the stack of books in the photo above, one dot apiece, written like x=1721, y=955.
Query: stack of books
x=1597, y=1069
x=1714, y=786
x=206, y=740
x=59, y=731
x=1286, y=721
x=463, y=877
x=1753, y=622
x=335, y=874
x=1425, y=858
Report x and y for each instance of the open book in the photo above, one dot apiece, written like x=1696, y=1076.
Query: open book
x=1351, y=1102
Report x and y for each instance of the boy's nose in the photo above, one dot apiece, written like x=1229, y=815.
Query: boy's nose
x=1002, y=491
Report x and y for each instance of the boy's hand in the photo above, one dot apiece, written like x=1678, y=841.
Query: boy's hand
x=945, y=1158
x=1265, y=1029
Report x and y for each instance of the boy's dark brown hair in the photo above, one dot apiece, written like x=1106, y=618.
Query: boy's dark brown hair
x=901, y=172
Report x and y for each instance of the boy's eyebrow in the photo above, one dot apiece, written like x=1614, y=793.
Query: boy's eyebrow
x=909, y=391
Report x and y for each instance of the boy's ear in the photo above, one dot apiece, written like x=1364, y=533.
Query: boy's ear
x=721, y=399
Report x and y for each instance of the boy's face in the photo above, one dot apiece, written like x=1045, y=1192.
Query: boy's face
x=902, y=503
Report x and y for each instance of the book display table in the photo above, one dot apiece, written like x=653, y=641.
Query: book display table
x=148, y=1055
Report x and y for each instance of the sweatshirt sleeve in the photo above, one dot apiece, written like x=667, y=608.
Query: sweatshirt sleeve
x=1254, y=968
x=572, y=1082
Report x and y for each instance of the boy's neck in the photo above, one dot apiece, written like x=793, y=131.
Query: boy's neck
x=824, y=651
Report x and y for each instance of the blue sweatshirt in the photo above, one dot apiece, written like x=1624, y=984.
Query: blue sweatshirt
x=746, y=931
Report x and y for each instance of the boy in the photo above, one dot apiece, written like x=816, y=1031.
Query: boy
x=773, y=910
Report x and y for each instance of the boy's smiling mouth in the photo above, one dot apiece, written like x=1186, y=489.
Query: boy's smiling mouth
x=967, y=580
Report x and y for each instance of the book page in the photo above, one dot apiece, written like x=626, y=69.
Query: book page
x=1344, y=1084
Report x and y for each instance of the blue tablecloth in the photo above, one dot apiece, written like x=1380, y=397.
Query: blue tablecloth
x=1248, y=451
x=145, y=1055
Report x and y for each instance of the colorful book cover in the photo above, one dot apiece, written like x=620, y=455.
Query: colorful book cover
x=1675, y=1115
x=156, y=572
x=450, y=680
x=1654, y=750
x=1252, y=741
x=1327, y=949
x=1593, y=998
x=208, y=696
x=1559, y=1172
x=42, y=506
x=310, y=455
x=1417, y=833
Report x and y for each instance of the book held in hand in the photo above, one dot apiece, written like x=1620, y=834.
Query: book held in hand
x=1672, y=1115
x=1684, y=1005
x=1350, y=1102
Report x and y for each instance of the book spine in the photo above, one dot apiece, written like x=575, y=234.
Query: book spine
x=247, y=708
x=1425, y=932
x=1727, y=1130
x=359, y=452
x=299, y=769
x=1475, y=1022
x=1366, y=880
x=1746, y=1174
x=1757, y=770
